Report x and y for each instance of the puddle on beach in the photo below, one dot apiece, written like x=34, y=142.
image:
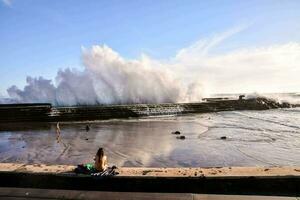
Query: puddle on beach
x=253, y=138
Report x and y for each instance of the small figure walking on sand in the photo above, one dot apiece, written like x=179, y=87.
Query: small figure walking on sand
x=57, y=128
x=87, y=128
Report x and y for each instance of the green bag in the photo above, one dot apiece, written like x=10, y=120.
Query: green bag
x=90, y=167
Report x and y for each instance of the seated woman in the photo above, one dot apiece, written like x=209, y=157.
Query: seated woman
x=100, y=164
x=100, y=160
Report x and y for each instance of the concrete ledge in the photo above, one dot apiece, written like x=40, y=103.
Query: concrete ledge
x=47, y=113
x=282, y=181
x=29, y=193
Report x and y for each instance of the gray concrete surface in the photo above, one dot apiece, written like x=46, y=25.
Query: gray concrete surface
x=29, y=193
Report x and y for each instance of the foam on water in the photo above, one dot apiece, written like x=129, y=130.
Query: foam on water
x=108, y=78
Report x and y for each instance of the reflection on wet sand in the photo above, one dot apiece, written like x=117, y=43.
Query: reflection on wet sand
x=127, y=143
x=252, y=139
x=58, y=132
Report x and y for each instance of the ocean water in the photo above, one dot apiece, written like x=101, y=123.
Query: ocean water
x=254, y=138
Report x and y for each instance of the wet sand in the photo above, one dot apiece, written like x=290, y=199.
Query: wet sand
x=253, y=138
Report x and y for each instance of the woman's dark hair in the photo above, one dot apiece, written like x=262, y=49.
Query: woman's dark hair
x=100, y=152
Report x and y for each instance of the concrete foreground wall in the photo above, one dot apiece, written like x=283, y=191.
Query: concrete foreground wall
x=47, y=113
x=46, y=194
x=275, y=181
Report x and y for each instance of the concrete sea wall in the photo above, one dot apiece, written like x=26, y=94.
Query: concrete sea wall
x=48, y=113
x=281, y=181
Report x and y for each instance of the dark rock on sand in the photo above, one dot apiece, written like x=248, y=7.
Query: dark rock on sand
x=176, y=132
x=182, y=137
x=223, y=138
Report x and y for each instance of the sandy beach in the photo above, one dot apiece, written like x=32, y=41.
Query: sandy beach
x=161, y=172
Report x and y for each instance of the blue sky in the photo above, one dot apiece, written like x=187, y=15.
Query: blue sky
x=38, y=37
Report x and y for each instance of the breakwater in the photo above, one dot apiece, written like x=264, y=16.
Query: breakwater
x=48, y=113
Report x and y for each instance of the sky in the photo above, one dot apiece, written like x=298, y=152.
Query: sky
x=248, y=38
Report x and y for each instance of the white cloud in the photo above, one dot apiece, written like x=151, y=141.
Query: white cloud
x=263, y=69
x=202, y=47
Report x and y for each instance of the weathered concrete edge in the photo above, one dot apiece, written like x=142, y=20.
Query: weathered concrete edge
x=25, y=193
x=47, y=113
x=280, y=181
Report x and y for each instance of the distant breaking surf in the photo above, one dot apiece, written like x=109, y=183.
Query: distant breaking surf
x=108, y=79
